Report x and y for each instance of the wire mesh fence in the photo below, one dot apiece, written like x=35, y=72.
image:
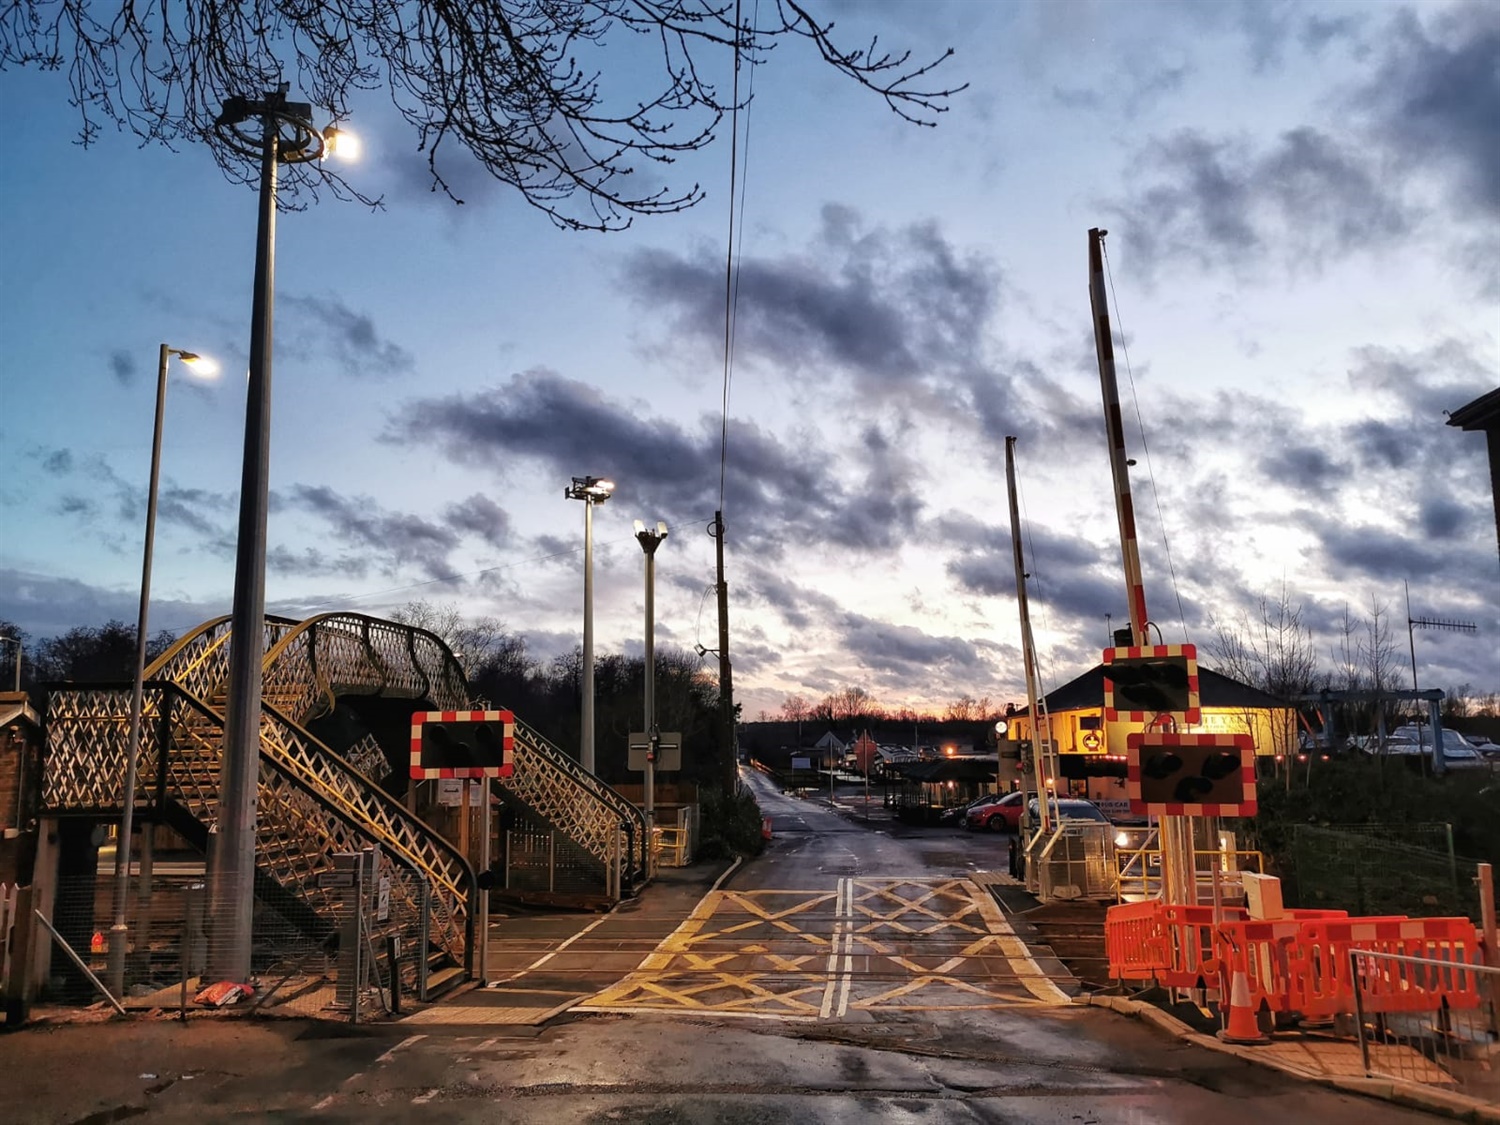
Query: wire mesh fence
x=1428, y=1021
x=354, y=948
x=1375, y=870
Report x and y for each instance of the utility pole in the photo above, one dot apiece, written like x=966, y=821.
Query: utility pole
x=726, y=672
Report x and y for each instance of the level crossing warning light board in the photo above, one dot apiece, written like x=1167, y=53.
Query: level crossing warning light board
x=1147, y=682
x=464, y=744
x=1171, y=774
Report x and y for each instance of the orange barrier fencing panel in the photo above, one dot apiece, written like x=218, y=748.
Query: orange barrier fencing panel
x=1135, y=942
x=1322, y=973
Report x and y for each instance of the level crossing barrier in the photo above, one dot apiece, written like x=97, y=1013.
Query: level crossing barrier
x=1323, y=982
x=1300, y=964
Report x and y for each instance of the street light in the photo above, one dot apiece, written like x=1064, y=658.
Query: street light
x=285, y=135
x=591, y=490
x=650, y=540
x=118, y=931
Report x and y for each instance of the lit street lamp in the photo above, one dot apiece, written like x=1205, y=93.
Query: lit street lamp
x=117, y=932
x=275, y=131
x=650, y=540
x=591, y=490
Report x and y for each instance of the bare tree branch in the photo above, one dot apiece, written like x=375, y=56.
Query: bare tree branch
x=520, y=85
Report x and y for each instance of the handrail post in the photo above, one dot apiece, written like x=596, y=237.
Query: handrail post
x=1359, y=1011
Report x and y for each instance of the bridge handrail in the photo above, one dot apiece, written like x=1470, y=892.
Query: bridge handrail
x=598, y=832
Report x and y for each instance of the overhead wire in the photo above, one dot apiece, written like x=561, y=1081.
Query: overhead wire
x=734, y=242
x=1145, y=447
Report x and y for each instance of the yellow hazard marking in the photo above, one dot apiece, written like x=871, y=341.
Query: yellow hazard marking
x=934, y=944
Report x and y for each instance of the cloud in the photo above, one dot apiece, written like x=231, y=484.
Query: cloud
x=1437, y=97
x=397, y=538
x=55, y=462
x=481, y=517
x=124, y=367
x=350, y=337
x=1223, y=203
x=890, y=308
x=50, y=606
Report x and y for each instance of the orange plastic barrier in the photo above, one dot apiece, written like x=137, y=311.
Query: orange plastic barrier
x=1135, y=941
x=1322, y=980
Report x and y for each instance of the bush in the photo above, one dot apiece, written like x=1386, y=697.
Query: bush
x=728, y=824
x=1356, y=791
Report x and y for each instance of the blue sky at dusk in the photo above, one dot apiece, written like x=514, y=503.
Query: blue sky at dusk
x=1303, y=202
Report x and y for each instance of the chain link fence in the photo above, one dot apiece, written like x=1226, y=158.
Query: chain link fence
x=363, y=948
x=1379, y=870
x=1448, y=1043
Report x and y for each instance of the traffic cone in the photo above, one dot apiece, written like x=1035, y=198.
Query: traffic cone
x=1243, y=1027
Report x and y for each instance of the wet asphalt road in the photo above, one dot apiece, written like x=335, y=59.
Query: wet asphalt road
x=846, y=976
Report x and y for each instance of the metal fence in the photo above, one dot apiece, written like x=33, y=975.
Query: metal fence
x=366, y=947
x=1378, y=870
x=1427, y=1021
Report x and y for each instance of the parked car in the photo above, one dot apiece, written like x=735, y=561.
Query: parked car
x=1068, y=808
x=955, y=814
x=1002, y=814
x=1412, y=741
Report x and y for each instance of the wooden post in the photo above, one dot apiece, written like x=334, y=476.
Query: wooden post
x=17, y=988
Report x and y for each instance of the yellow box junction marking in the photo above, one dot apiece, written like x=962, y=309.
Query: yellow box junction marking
x=944, y=939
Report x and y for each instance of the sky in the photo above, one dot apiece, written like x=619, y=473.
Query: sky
x=1303, y=202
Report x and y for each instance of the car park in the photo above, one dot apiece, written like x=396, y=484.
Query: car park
x=1001, y=814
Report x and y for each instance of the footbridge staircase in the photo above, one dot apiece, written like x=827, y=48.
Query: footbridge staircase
x=321, y=794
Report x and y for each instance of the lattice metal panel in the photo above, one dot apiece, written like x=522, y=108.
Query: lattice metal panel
x=199, y=661
x=88, y=738
x=311, y=804
x=368, y=757
x=573, y=800
x=380, y=819
x=352, y=654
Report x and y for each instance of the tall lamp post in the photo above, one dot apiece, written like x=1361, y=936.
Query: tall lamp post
x=591, y=490
x=118, y=931
x=276, y=132
x=650, y=540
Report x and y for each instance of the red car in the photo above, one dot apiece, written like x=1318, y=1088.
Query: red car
x=1001, y=815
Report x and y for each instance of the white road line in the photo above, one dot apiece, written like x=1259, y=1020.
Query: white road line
x=544, y=958
x=836, y=994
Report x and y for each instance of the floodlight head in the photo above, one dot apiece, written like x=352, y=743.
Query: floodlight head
x=594, y=490
x=649, y=539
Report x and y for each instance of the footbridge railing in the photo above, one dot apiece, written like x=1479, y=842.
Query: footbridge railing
x=576, y=802
x=311, y=803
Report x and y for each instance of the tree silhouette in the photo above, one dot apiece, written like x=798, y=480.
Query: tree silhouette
x=558, y=98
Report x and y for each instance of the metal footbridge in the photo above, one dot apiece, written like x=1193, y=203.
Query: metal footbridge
x=320, y=794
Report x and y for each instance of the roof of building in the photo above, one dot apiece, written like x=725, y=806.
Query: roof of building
x=1481, y=414
x=949, y=769
x=15, y=707
x=1214, y=690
